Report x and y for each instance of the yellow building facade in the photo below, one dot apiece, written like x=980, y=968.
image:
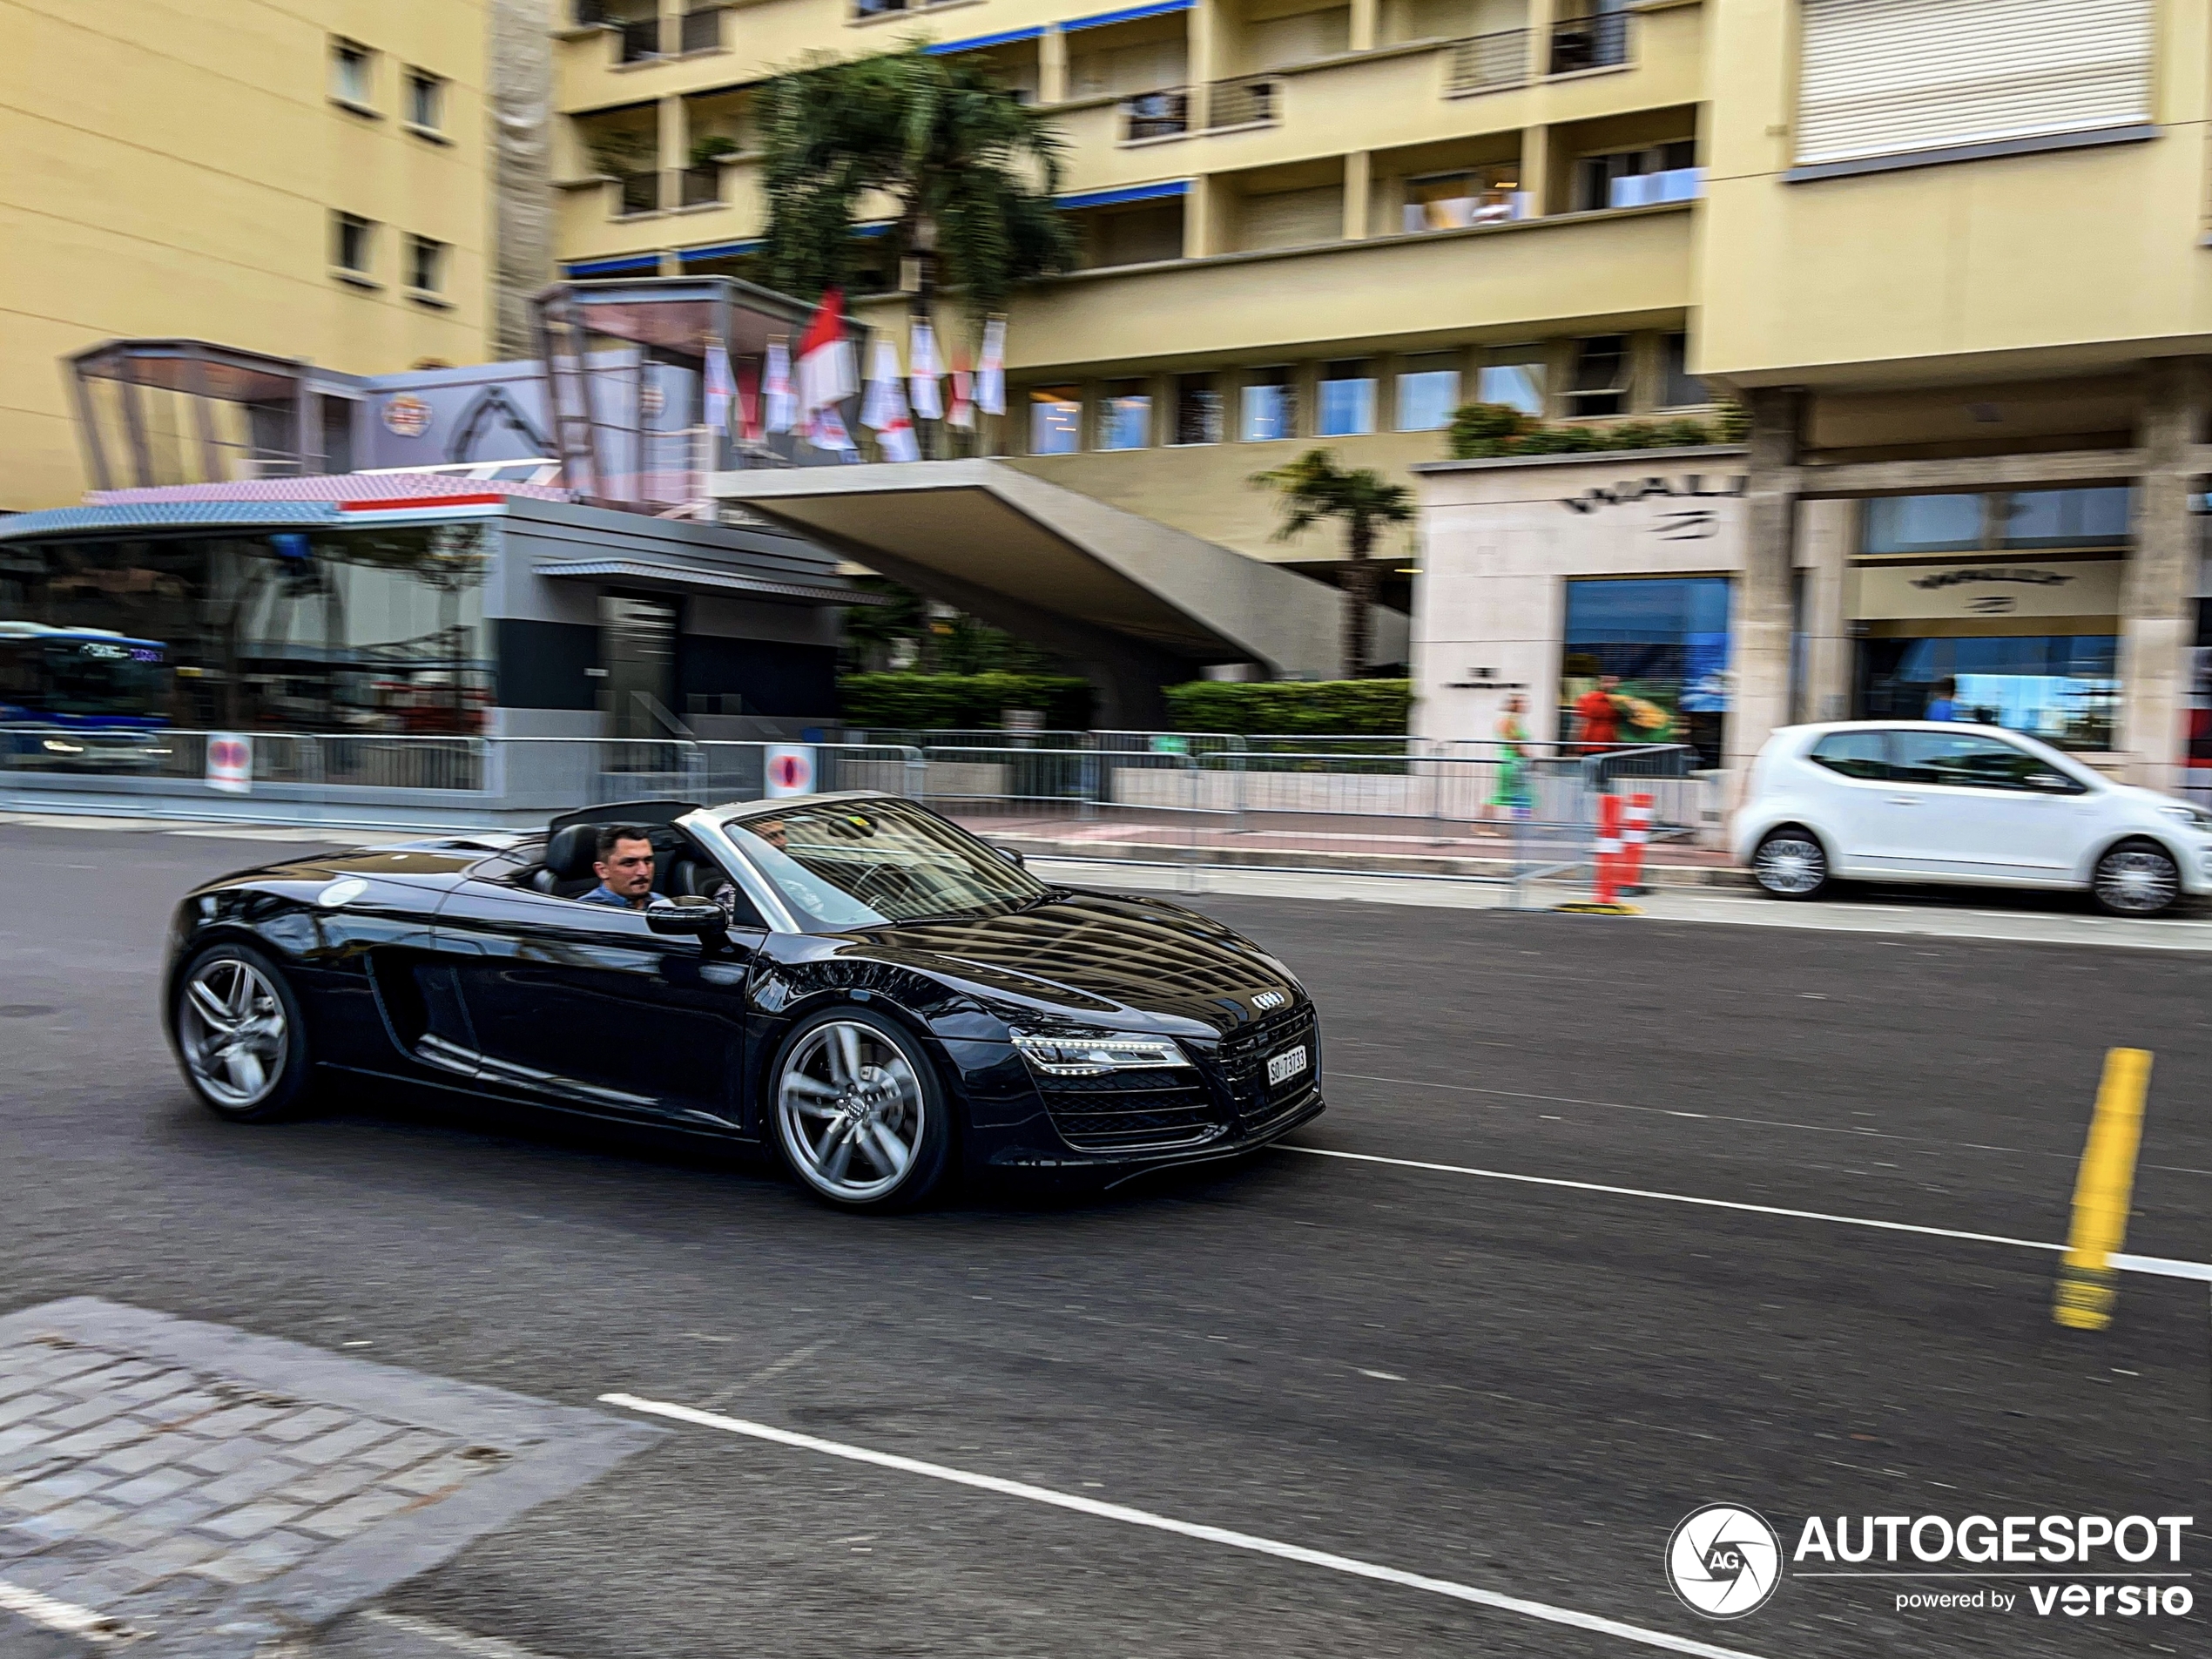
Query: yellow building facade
x=306, y=179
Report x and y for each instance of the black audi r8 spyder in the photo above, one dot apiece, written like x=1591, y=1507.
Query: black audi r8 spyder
x=853, y=979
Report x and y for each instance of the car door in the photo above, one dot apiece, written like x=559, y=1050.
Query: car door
x=1846, y=782
x=585, y=1006
x=1970, y=804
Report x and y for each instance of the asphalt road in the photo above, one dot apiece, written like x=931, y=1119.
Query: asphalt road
x=1517, y=1387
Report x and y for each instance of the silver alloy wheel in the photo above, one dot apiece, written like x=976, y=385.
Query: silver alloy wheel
x=1792, y=864
x=851, y=1109
x=231, y=1024
x=2138, y=880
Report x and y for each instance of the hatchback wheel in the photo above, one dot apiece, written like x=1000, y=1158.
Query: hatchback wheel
x=859, y=1113
x=1790, y=864
x=239, y=1034
x=2136, y=878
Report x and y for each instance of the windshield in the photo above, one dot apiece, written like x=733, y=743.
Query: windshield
x=861, y=864
x=122, y=677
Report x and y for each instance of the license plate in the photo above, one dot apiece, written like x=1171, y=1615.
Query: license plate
x=1284, y=1066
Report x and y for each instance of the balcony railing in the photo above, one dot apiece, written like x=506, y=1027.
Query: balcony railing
x=636, y=40
x=1246, y=102
x=635, y=193
x=702, y=30
x=700, y=186
x=1163, y=114
x=1483, y=61
x=1595, y=42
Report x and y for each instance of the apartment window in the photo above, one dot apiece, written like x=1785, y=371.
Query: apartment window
x=351, y=237
x=426, y=264
x=1056, y=421
x=2064, y=517
x=1448, y=201
x=352, y=72
x=1125, y=415
x=1428, y=390
x=1514, y=376
x=426, y=101
x=1198, y=409
x=1678, y=388
x=1661, y=172
x=1922, y=524
x=1601, y=384
x=1267, y=407
x=1347, y=398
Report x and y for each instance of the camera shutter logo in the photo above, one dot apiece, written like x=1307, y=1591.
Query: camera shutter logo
x=1724, y=1562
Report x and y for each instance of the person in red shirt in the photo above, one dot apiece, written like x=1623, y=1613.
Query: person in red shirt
x=1598, y=714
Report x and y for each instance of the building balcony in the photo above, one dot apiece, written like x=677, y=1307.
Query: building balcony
x=1599, y=40
x=1163, y=114
x=1251, y=100
x=1486, y=63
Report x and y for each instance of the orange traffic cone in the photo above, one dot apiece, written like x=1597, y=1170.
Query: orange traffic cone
x=1635, y=830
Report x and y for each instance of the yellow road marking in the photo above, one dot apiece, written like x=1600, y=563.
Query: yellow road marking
x=2085, y=1294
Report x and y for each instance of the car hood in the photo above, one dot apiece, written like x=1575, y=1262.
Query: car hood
x=1097, y=956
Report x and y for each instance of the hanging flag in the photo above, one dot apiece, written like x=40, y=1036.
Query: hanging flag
x=781, y=413
x=963, y=410
x=825, y=367
x=885, y=411
x=922, y=371
x=990, y=369
x=721, y=386
x=825, y=430
x=749, y=402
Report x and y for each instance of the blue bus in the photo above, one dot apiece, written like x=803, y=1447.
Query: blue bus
x=82, y=698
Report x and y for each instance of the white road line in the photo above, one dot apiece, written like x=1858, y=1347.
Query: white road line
x=447, y=1636
x=65, y=1616
x=2163, y=1266
x=1130, y=1517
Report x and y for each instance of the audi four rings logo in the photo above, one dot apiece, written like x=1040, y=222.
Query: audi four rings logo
x=1268, y=1000
x=1724, y=1562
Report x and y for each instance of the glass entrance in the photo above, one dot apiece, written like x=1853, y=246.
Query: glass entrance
x=637, y=648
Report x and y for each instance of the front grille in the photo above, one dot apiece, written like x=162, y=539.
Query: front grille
x=1244, y=1065
x=1161, y=1108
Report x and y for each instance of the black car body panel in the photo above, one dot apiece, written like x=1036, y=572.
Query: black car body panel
x=437, y=963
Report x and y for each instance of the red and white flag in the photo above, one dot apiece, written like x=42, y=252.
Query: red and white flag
x=885, y=412
x=748, y=403
x=721, y=386
x=962, y=414
x=923, y=370
x=825, y=430
x=826, y=374
x=780, y=410
x=990, y=369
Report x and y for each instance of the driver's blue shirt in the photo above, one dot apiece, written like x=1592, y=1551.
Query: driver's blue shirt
x=605, y=895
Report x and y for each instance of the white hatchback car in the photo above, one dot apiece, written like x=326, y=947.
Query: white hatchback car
x=1930, y=801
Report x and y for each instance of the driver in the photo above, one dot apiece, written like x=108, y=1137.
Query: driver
x=625, y=869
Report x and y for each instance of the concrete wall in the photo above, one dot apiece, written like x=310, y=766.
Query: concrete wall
x=173, y=166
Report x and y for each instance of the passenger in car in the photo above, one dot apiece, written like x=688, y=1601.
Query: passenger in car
x=625, y=869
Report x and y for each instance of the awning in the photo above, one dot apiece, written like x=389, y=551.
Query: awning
x=690, y=579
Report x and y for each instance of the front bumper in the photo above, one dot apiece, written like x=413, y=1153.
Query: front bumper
x=1022, y=1158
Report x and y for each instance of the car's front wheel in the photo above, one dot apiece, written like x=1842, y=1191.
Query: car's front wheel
x=860, y=1112
x=1790, y=864
x=240, y=1034
x=2136, y=878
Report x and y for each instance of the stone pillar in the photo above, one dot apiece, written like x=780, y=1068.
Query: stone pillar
x=1536, y=169
x=2158, y=591
x=1198, y=214
x=1052, y=65
x=1830, y=532
x=675, y=148
x=1760, y=648
x=1362, y=36
x=1356, y=188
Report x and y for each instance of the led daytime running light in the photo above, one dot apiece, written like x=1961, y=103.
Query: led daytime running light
x=1092, y=1054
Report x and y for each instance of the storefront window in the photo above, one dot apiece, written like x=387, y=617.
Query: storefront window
x=1347, y=399
x=1514, y=376
x=358, y=630
x=1268, y=408
x=1056, y=421
x=1125, y=416
x=1428, y=391
x=2062, y=688
x=2065, y=517
x=1665, y=641
x=1923, y=524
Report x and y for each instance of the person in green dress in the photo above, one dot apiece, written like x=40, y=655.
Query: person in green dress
x=1509, y=791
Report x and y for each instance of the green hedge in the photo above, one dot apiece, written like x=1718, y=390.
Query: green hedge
x=1481, y=430
x=1357, y=708
x=923, y=700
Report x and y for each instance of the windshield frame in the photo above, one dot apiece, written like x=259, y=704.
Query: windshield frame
x=711, y=826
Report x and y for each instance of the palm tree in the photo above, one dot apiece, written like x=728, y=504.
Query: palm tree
x=968, y=170
x=1314, y=488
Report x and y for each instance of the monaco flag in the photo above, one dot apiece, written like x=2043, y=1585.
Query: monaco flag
x=962, y=414
x=990, y=368
x=923, y=370
x=780, y=404
x=826, y=374
x=720, y=387
x=885, y=412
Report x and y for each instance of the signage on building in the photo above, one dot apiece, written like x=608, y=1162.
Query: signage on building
x=1921, y=593
x=408, y=415
x=1689, y=486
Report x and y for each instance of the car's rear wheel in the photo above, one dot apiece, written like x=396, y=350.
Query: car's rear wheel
x=2136, y=878
x=861, y=1114
x=1790, y=864
x=240, y=1035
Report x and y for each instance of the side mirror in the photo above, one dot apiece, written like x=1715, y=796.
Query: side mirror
x=688, y=918
x=2053, y=783
x=1010, y=856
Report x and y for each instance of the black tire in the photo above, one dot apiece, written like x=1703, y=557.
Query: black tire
x=888, y=1113
x=2137, y=878
x=257, y=1069
x=1790, y=863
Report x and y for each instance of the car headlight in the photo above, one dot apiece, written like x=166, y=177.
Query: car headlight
x=2195, y=817
x=1091, y=1054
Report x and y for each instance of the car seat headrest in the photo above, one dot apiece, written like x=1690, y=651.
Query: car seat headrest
x=572, y=851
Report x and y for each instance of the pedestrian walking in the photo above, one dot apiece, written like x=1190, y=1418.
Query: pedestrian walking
x=1509, y=791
